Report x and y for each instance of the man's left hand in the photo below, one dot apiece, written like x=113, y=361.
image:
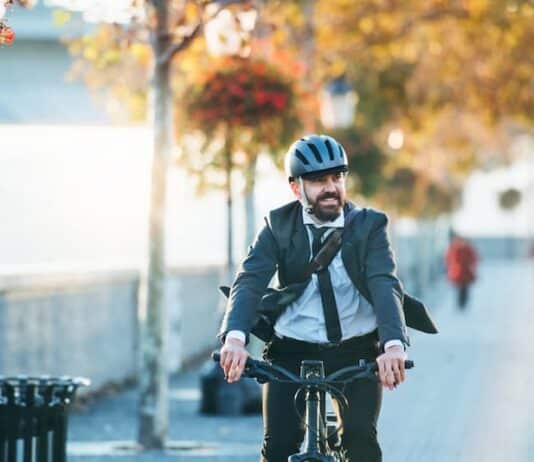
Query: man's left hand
x=391, y=367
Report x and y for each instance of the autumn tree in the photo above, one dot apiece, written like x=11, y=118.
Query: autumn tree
x=152, y=33
x=115, y=67
x=7, y=34
x=454, y=77
x=452, y=97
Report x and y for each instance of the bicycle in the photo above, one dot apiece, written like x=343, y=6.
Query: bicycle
x=322, y=442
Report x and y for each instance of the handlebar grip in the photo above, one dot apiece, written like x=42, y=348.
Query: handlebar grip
x=408, y=364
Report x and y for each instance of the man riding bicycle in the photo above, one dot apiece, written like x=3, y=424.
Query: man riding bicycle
x=350, y=310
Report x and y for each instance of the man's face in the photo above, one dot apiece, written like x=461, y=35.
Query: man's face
x=325, y=194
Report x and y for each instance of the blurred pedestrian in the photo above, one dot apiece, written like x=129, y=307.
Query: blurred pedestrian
x=461, y=260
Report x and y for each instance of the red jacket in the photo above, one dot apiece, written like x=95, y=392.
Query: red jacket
x=461, y=262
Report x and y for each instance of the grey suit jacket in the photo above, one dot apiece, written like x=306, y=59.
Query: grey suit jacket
x=282, y=246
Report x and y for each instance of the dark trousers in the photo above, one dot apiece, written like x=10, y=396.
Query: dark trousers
x=463, y=295
x=284, y=431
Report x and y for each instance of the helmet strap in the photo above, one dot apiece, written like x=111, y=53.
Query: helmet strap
x=304, y=198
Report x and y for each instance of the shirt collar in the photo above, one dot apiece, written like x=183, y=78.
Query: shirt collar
x=308, y=219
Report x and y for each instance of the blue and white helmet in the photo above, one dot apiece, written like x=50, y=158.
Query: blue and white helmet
x=315, y=154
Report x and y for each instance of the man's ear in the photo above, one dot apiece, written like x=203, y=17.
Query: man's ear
x=295, y=187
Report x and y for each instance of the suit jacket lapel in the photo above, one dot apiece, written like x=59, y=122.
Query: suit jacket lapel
x=298, y=254
x=351, y=246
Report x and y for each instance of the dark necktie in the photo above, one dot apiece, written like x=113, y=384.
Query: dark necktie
x=333, y=327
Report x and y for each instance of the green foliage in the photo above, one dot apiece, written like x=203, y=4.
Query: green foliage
x=366, y=160
x=412, y=193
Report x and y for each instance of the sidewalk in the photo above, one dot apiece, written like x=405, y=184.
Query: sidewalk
x=107, y=429
x=468, y=399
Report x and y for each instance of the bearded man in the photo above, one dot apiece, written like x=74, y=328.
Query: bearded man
x=328, y=317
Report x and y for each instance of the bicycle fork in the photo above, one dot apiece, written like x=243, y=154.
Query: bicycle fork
x=315, y=437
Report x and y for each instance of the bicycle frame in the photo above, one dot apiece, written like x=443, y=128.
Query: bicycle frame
x=316, y=446
x=315, y=439
x=312, y=379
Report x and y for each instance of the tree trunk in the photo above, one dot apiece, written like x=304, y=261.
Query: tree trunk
x=250, y=209
x=228, y=146
x=153, y=411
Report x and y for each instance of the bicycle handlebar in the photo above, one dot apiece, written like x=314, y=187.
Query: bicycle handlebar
x=264, y=372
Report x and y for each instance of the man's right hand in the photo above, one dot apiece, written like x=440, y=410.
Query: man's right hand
x=233, y=358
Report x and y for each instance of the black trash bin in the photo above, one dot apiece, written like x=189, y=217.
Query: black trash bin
x=33, y=417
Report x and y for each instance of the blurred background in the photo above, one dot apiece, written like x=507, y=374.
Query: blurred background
x=432, y=100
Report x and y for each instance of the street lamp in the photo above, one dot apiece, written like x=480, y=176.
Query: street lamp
x=338, y=103
x=396, y=139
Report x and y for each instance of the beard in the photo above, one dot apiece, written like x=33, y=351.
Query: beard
x=330, y=211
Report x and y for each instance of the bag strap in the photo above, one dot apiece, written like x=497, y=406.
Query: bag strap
x=326, y=253
x=333, y=243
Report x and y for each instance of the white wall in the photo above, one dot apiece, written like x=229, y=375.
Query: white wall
x=480, y=214
x=78, y=197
